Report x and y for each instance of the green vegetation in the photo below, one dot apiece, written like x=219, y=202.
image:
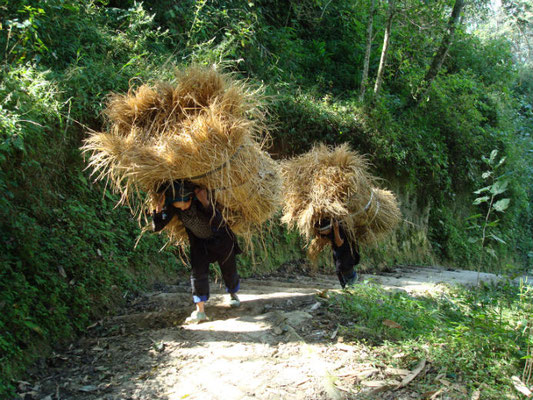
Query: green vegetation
x=67, y=256
x=273, y=248
x=491, y=196
x=478, y=338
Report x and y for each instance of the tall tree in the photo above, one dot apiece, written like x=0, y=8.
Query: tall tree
x=364, y=79
x=517, y=26
x=385, y=48
x=436, y=64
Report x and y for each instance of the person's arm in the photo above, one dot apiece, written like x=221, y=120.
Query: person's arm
x=158, y=201
x=201, y=195
x=208, y=207
x=338, y=240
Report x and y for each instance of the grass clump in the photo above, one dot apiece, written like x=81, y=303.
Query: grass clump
x=476, y=339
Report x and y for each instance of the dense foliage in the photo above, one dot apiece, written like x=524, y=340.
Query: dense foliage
x=66, y=254
x=310, y=55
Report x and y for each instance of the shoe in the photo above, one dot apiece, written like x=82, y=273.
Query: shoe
x=234, y=301
x=196, y=317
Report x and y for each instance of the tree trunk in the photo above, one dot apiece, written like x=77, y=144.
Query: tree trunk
x=364, y=79
x=436, y=64
x=384, y=51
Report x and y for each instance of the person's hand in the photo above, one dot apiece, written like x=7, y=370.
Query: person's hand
x=338, y=240
x=158, y=201
x=201, y=194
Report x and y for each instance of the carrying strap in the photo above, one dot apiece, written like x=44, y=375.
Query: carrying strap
x=365, y=209
x=376, y=212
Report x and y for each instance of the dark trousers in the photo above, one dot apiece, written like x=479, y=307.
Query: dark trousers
x=345, y=266
x=346, y=275
x=222, y=248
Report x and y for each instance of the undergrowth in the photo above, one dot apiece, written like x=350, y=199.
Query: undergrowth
x=476, y=338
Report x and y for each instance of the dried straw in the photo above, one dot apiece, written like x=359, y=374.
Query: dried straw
x=205, y=127
x=335, y=183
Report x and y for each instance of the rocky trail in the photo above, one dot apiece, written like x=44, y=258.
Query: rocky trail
x=282, y=343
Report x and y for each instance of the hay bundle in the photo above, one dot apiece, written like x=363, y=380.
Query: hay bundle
x=335, y=183
x=206, y=128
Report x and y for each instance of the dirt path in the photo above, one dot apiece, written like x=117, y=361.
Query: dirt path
x=282, y=343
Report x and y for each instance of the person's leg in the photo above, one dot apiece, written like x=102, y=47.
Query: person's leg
x=350, y=274
x=199, y=282
x=228, y=267
x=341, y=279
x=350, y=277
x=345, y=272
x=223, y=248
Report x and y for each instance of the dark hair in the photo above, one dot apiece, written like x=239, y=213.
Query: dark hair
x=178, y=190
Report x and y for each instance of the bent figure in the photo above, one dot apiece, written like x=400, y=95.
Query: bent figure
x=210, y=239
x=345, y=254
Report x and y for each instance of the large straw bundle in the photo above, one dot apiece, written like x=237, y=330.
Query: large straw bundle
x=207, y=128
x=335, y=183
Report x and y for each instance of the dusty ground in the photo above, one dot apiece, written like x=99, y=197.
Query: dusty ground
x=282, y=343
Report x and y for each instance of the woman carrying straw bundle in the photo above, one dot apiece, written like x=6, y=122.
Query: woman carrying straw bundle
x=210, y=239
x=345, y=254
x=332, y=199
x=201, y=136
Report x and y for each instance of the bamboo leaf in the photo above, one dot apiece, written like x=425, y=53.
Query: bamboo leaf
x=33, y=326
x=413, y=374
x=491, y=252
x=500, y=162
x=493, y=223
x=391, y=324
